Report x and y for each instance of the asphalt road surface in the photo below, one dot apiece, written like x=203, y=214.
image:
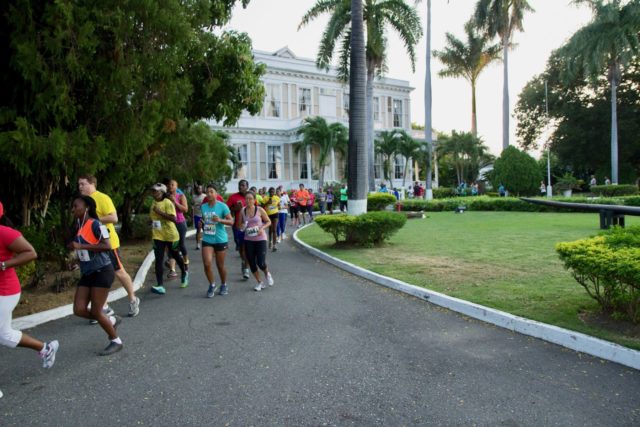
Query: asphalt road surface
x=321, y=347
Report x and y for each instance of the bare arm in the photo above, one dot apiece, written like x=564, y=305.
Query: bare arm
x=111, y=218
x=266, y=221
x=181, y=204
x=24, y=253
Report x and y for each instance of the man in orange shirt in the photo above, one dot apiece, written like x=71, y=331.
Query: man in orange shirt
x=303, y=198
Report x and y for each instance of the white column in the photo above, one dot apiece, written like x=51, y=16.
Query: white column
x=333, y=165
x=258, y=146
x=308, y=153
x=290, y=162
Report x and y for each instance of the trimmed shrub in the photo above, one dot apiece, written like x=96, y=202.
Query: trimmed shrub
x=614, y=190
x=366, y=230
x=632, y=201
x=518, y=171
x=379, y=201
x=608, y=268
x=444, y=192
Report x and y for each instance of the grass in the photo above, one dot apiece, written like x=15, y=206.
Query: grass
x=503, y=260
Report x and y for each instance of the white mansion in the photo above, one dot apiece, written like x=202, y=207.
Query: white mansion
x=295, y=89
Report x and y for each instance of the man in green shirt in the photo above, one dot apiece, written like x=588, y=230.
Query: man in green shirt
x=343, y=198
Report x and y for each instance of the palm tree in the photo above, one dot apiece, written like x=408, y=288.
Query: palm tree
x=608, y=43
x=428, y=116
x=468, y=61
x=317, y=132
x=502, y=18
x=378, y=14
x=467, y=152
x=408, y=148
x=387, y=147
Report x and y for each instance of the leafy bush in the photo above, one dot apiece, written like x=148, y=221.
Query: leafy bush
x=366, y=230
x=608, y=267
x=379, y=201
x=632, y=201
x=140, y=228
x=26, y=273
x=444, y=192
x=517, y=171
x=614, y=190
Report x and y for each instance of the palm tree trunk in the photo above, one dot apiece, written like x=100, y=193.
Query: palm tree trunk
x=428, y=125
x=404, y=174
x=505, y=92
x=474, y=117
x=358, y=164
x=370, y=134
x=614, y=129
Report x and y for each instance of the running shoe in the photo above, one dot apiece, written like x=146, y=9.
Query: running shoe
x=260, y=286
x=224, y=289
x=269, y=279
x=108, y=311
x=284, y=236
x=172, y=274
x=160, y=290
x=279, y=239
x=211, y=292
x=1, y=394
x=245, y=273
x=197, y=246
x=274, y=249
x=185, y=280
x=113, y=347
x=49, y=354
x=134, y=307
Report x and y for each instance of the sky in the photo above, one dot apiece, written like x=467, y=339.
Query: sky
x=273, y=24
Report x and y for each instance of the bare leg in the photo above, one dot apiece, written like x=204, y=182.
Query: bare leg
x=207, y=260
x=222, y=270
x=30, y=342
x=127, y=283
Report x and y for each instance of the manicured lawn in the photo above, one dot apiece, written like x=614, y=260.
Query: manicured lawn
x=504, y=260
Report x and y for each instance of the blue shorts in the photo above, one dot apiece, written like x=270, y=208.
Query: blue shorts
x=196, y=221
x=238, y=238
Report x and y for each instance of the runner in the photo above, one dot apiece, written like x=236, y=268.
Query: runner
x=293, y=205
x=282, y=215
x=179, y=200
x=197, y=201
x=330, y=200
x=15, y=251
x=322, y=200
x=92, y=245
x=302, y=196
x=254, y=222
x=215, y=216
x=236, y=202
x=343, y=198
x=271, y=204
x=310, y=204
x=107, y=215
x=165, y=236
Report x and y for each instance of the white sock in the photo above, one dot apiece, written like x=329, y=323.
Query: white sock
x=117, y=340
x=44, y=348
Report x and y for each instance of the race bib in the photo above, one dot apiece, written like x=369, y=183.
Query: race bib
x=253, y=231
x=104, y=231
x=83, y=255
x=156, y=225
x=209, y=229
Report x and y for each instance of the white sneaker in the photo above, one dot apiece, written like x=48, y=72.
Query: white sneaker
x=269, y=279
x=1, y=394
x=260, y=286
x=279, y=239
x=284, y=236
x=245, y=273
x=49, y=354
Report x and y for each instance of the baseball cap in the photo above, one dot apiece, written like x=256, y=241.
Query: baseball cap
x=159, y=187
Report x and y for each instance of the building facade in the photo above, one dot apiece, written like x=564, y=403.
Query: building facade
x=295, y=89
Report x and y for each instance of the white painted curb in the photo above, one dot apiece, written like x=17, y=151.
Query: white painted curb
x=554, y=334
x=36, y=319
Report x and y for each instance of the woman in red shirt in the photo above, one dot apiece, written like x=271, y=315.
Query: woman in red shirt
x=15, y=251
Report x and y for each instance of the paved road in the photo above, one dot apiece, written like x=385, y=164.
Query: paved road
x=319, y=348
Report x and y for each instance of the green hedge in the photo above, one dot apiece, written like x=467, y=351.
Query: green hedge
x=614, y=190
x=444, y=192
x=379, y=201
x=608, y=268
x=366, y=230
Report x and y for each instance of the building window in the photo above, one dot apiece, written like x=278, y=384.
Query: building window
x=399, y=167
x=302, y=159
x=377, y=166
x=272, y=100
x=274, y=162
x=345, y=104
x=243, y=162
x=397, y=113
x=304, y=101
x=376, y=109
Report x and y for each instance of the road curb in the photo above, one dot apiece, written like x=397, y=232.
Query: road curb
x=564, y=337
x=33, y=320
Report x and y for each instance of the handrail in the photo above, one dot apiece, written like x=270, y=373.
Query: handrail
x=591, y=207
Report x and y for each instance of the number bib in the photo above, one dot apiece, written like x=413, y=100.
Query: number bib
x=83, y=255
x=209, y=229
x=253, y=231
x=156, y=225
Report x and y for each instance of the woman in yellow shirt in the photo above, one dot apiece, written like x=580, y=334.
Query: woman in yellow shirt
x=165, y=236
x=271, y=204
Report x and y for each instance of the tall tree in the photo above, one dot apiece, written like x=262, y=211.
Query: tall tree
x=408, y=148
x=605, y=45
x=428, y=111
x=467, y=152
x=502, y=18
x=378, y=16
x=386, y=146
x=316, y=132
x=467, y=60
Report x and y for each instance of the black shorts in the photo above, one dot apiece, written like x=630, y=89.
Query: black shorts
x=274, y=217
x=102, y=278
x=217, y=247
x=294, y=211
x=114, y=256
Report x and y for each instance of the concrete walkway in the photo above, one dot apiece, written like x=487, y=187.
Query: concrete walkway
x=321, y=347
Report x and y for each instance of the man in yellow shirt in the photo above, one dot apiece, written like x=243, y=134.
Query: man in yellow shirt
x=108, y=216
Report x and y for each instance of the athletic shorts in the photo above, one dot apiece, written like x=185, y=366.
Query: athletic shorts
x=217, y=247
x=274, y=217
x=102, y=278
x=114, y=256
x=294, y=211
x=238, y=238
x=196, y=221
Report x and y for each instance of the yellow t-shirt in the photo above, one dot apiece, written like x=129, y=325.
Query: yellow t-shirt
x=161, y=228
x=104, y=207
x=271, y=204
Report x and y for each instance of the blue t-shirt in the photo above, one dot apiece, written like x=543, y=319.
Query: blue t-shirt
x=214, y=232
